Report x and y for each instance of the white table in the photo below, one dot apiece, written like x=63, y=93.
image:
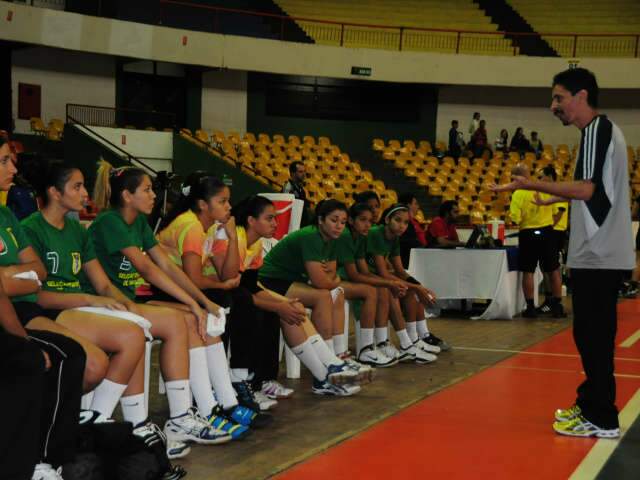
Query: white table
x=455, y=274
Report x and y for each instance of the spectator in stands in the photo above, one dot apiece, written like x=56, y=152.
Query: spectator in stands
x=475, y=123
x=295, y=184
x=415, y=235
x=537, y=243
x=456, y=142
x=502, y=142
x=536, y=145
x=519, y=142
x=442, y=230
x=479, y=141
x=372, y=199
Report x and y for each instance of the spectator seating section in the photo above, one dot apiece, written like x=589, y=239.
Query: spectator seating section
x=330, y=172
x=467, y=180
x=53, y=131
x=586, y=17
x=454, y=15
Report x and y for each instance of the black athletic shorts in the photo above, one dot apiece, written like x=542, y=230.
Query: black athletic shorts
x=561, y=239
x=26, y=311
x=537, y=246
x=276, y=284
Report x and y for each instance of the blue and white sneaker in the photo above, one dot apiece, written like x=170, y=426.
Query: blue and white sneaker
x=248, y=417
x=219, y=420
x=328, y=389
x=342, y=374
x=151, y=435
x=366, y=373
x=192, y=427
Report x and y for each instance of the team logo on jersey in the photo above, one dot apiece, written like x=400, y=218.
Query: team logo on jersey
x=76, y=262
x=125, y=265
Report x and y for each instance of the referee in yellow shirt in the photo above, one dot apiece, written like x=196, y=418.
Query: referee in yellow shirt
x=537, y=245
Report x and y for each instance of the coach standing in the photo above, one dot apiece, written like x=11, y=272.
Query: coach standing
x=600, y=248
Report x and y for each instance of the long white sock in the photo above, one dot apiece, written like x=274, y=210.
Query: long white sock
x=412, y=331
x=199, y=380
x=309, y=358
x=330, y=345
x=366, y=336
x=219, y=375
x=326, y=356
x=178, y=396
x=239, y=374
x=403, y=336
x=133, y=408
x=423, y=330
x=106, y=396
x=382, y=334
x=340, y=344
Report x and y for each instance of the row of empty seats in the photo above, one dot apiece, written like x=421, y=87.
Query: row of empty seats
x=330, y=172
x=387, y=17
x=53, y=131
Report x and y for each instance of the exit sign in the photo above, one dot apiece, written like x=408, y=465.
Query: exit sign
x=362, y=71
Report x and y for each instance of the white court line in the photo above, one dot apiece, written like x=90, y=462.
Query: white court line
x=631, y=340
x=560, y=370
x=603, y=448
x=547, y=354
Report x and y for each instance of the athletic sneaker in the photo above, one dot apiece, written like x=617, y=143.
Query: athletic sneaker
x=93, y=416
x=388, y=349
x=248, y=417
x=530, y=313
x=329, y=389
x=44, y=471
x=192, y=427
x=431, y=339
x=370, y=355
x=219, y=420
x=417, y=355
x=366, y=372
x=566, y=414
x=177, y=450
x=275, y=390
x=263, y=401
x=427, y=347
x=247, y=399
x=544, y=309
x=342, y=374
x=151, y=434
x=581, y=427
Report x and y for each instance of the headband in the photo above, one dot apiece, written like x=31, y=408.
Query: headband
x=395, y=209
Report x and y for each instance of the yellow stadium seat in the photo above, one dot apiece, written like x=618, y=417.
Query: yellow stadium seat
x=378, y=144
x=37, y=126
x=264, y=139
x=409, y=144
x=294, y=140
x=202, y=136
x=278, y=139
x=308, y=140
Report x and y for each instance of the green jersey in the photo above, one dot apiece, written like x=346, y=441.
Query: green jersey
x=377, y=244
x=111, y=234
x=348, y=250
x=285, y=261
x=63, y=251
x=12, y=241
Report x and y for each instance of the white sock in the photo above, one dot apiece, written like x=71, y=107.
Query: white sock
x=106, y=396
x=340, y=344
x=309, y=358
x=366, y=336
x=411, y=330
x=219, y=375
x=423, y=330
x=133, y=408
x=403, y=336
x=329, y=343
x=199, y=380
x=382, y=334
x=324, y=353
x=178, y=396
x=239, y=374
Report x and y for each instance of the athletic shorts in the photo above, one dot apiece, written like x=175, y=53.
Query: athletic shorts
x=249, y=280
x=26, y=311
x=537, y=246
x=561, y=239
x=276, y=285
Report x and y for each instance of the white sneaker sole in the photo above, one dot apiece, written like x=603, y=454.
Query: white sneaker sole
x=373, y=363
x=176, y=452
x=610, y=434
x=188, y=438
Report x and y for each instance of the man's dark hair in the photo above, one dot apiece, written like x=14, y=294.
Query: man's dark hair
x=406, y=198
x=364, y=197
x=476, y=114
x=453, y=122
x=576, y=79
x=293, y=167
x=549, y=171
x=446, y=207
x=534, y=134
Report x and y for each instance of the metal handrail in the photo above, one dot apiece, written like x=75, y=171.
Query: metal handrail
x=130, y=158
x=402, y=29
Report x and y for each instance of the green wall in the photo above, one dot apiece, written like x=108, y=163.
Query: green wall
x=353, y=137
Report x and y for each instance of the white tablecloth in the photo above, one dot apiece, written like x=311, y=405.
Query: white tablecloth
x=469, y=274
